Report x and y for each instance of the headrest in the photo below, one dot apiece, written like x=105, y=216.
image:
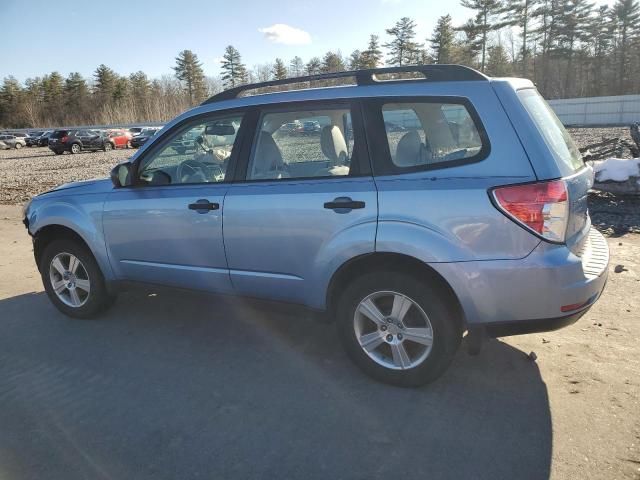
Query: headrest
x=408, y=152
x=333, y=145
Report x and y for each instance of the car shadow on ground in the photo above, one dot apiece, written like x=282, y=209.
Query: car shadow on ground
x=179, y=385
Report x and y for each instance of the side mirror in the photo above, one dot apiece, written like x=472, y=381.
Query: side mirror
x=121, y=175
x=220, y=130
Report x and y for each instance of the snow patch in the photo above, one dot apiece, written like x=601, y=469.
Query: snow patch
x=617, y=169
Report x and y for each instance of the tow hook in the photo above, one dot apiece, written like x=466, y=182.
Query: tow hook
x=475, y=339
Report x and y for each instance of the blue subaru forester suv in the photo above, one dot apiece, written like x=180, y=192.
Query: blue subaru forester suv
x=428, y=202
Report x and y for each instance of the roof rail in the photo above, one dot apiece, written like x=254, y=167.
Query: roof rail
x=431, y=73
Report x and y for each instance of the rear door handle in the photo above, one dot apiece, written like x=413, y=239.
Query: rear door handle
x=344, y=205
x=203, y=206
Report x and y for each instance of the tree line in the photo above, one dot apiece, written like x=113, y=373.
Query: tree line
x=569, y=48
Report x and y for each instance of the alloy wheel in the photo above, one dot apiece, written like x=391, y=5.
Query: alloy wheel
x=69, y=280
x=393, y=330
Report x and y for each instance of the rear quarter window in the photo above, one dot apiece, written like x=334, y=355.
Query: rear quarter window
x=427, y=134
x=560, y=143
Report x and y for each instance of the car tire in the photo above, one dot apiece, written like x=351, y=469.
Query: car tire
x=397, y=349
x=57, y=152
x=18, y=146
x=108, y=146
x=129, y=144
x=87, y=271
x=75, y=148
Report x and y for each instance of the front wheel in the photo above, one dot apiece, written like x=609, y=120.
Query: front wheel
x=72, y=279
x=397, y=328
x=18, y=146
x=108, y=146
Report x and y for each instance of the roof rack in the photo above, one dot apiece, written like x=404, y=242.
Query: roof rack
x=431, y=73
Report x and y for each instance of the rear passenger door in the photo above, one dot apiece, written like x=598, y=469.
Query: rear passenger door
x=304, y=202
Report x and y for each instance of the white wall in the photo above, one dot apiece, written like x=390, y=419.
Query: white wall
x=620, y=110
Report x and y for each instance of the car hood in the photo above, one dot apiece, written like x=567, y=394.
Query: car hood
x=98, y=185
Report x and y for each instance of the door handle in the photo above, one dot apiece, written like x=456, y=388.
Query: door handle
x=203, y=206
x=344, y=205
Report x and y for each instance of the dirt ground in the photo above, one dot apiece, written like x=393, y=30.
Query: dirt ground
x=142, y=391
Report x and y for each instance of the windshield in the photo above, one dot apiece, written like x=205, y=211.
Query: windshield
x=555, y=135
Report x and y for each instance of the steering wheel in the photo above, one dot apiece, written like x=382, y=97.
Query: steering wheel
x=192, y=171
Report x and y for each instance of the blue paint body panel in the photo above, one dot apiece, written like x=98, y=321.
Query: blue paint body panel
x=275, y=240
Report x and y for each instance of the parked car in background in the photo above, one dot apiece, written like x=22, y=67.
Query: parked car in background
x=119, y=138
x=75, y=141
x=141, y=139
x=406, y=239
x=311, y=127
x=32, y=139
x=136, y=130
x=43, y=140
x=4, y=146
x=12, y=141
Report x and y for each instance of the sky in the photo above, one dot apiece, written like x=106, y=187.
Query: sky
x=147, y=35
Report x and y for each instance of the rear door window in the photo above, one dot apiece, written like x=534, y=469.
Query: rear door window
x=427, y=133
x=555, y=135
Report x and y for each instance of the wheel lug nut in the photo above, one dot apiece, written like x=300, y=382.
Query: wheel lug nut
x=383, y=328
x=399, y=336
x=389, y=338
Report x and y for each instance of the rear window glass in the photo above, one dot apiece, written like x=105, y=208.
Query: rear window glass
x=555, y=136
x=59, y=133
x=425, y=134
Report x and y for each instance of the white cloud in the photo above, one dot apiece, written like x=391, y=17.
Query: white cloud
x=285, y=34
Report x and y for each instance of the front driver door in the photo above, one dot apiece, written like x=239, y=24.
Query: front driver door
x=167, y=228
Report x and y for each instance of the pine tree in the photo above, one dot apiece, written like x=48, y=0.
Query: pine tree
x=76, y=95
x=296, y=67
x=402, y=47
x=372, y=56
x=471, y=44
x=573, y=23
x=314, y=66
x=627, y=15
x=279, y=70
x=486, y=20
x=442, y=41
x=234, y=72
x=332, y=62
x=53, y=96
x=355, y=60
x=519, y=13
x=10, y=102
x=188, y=70
x=498, y=63
x=105, y=83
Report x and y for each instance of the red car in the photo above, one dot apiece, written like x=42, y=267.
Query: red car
x=120, y=138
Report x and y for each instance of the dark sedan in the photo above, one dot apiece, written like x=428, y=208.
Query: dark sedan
x=141, y=139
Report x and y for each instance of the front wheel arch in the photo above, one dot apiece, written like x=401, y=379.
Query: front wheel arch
x=48, y=234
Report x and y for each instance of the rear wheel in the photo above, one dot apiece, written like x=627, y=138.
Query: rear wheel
x=58, y=152
x=108, y=146
x=397, y=328
x=75, y=148
x=18, y=145
x=72, y=279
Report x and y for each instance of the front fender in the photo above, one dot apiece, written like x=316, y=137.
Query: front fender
x=83, y=216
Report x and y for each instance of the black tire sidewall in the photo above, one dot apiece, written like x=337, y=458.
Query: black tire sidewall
x=98, y=296
x=446, y=334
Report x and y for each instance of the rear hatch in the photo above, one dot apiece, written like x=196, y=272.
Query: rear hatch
x=568, y=162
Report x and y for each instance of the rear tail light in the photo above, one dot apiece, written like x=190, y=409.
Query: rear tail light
x=64, y=139
x=540, y=207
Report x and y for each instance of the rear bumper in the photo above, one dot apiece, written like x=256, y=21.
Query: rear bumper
x=550, y=288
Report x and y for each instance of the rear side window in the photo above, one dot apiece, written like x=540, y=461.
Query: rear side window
x=555, y=136
x=429, y=134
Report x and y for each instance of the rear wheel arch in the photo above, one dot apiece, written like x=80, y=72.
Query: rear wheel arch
x=382, y=262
